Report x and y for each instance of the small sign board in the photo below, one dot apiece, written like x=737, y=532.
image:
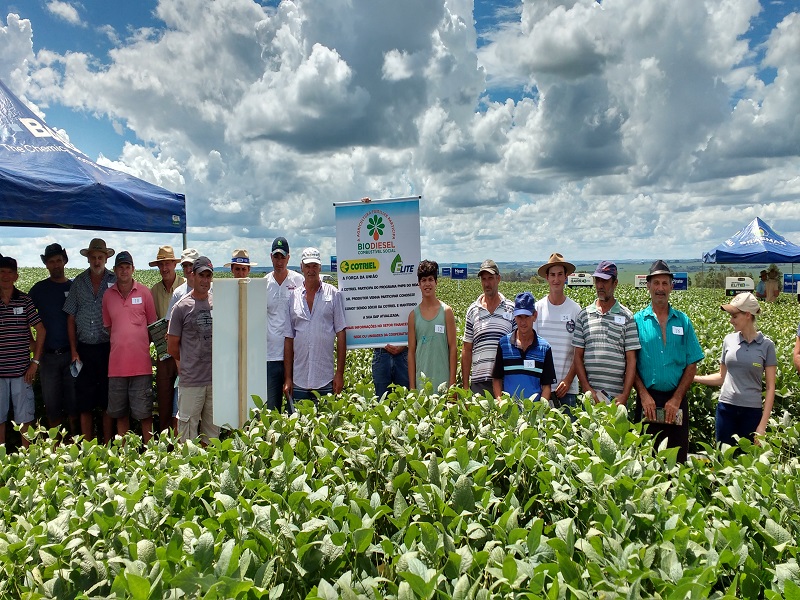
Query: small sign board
x=580, y=280
x=790, y=283
x=459, y=271
x=334, y=264
x=735, y=285
x=680, y=281
x=445, y=271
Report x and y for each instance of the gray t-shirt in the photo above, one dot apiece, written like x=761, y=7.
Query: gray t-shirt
x=745, y=362
x=191, y=320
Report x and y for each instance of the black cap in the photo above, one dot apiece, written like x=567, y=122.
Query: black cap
x=54, y=250
x=123, y=257
x=201, y=264
x=279, y=244
x=659, y=267
x=6, y=262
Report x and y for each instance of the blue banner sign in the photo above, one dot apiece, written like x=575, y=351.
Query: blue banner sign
x=459, y=271
x=790, y=282
x=680, y=281
x=334, y=264
x=445, y=271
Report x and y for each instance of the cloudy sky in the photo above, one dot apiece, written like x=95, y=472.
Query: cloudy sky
x=614, y=129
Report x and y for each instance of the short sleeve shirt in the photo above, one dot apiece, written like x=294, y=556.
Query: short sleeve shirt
x=127, y=318
x=556, y=324
x=661, y=364
x=314, y=332
x=605, y=338
x=277, y=300
x=745, y=362
x=483, y=330
x=192, y=322
x=49, y=298
x=16, y=319
x=87, y=307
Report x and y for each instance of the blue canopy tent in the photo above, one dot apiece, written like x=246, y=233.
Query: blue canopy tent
x=756, y=243
x=47, y=182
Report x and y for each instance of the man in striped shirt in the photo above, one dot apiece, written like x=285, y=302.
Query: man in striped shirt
x=17, y=369
x=489, y=318
x=606, y=341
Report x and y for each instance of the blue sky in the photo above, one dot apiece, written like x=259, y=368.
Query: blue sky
x=595, y=129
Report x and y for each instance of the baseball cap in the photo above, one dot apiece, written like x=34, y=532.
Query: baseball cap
x=489, y=266
x=606, y=270
x=280, y=245
x=744, y=302
x=6, y=262
x=524, y=304
x=202, y=263
x=123, y=257
x=189, y=255
x=311, y=255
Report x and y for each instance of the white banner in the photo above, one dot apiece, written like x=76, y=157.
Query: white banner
x=377, y=246
x=239, y=346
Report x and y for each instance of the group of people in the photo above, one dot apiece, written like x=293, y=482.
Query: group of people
x=91, y=347
x=544, y=349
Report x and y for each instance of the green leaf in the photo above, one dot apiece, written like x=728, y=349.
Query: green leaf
x=204, y=551
x=434, y=477
x=463, y=499
x=362, y=539
x=139, y=587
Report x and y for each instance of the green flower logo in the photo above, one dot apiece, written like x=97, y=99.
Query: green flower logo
x=375, y=226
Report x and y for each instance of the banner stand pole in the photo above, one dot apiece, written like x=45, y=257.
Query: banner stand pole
x=243, y=350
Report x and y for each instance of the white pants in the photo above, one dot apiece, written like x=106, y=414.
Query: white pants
x=196, y=408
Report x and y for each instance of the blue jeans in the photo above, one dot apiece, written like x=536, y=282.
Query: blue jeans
x=736, y=420
x=388, y=369
x=304, y=394
x=275, y=376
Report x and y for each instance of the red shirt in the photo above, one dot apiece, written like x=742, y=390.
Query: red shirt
x=127, y=319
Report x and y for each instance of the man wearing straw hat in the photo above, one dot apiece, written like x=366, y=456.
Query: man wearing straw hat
x=166, y=370
x=89, y=341
x=556, y=323
x=240, y=264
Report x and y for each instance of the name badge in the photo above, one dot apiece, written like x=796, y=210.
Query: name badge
x=328, y=298
x=564, y=318
x=619, y=319
x=677, y=330
x=66, y=294
x=438, y=328
x=17, y=310
x=507, y=316
x=530, y=364
x=136, y=300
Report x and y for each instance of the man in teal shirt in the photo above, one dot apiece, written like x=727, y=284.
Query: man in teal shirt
x=666, y=363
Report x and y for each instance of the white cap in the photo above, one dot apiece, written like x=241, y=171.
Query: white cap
x=310, y=255
x=189, y=255
x=743, y=302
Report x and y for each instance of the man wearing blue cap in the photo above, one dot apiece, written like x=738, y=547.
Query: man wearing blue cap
x=606, y=341
x=281, y=284
x=523, y=366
